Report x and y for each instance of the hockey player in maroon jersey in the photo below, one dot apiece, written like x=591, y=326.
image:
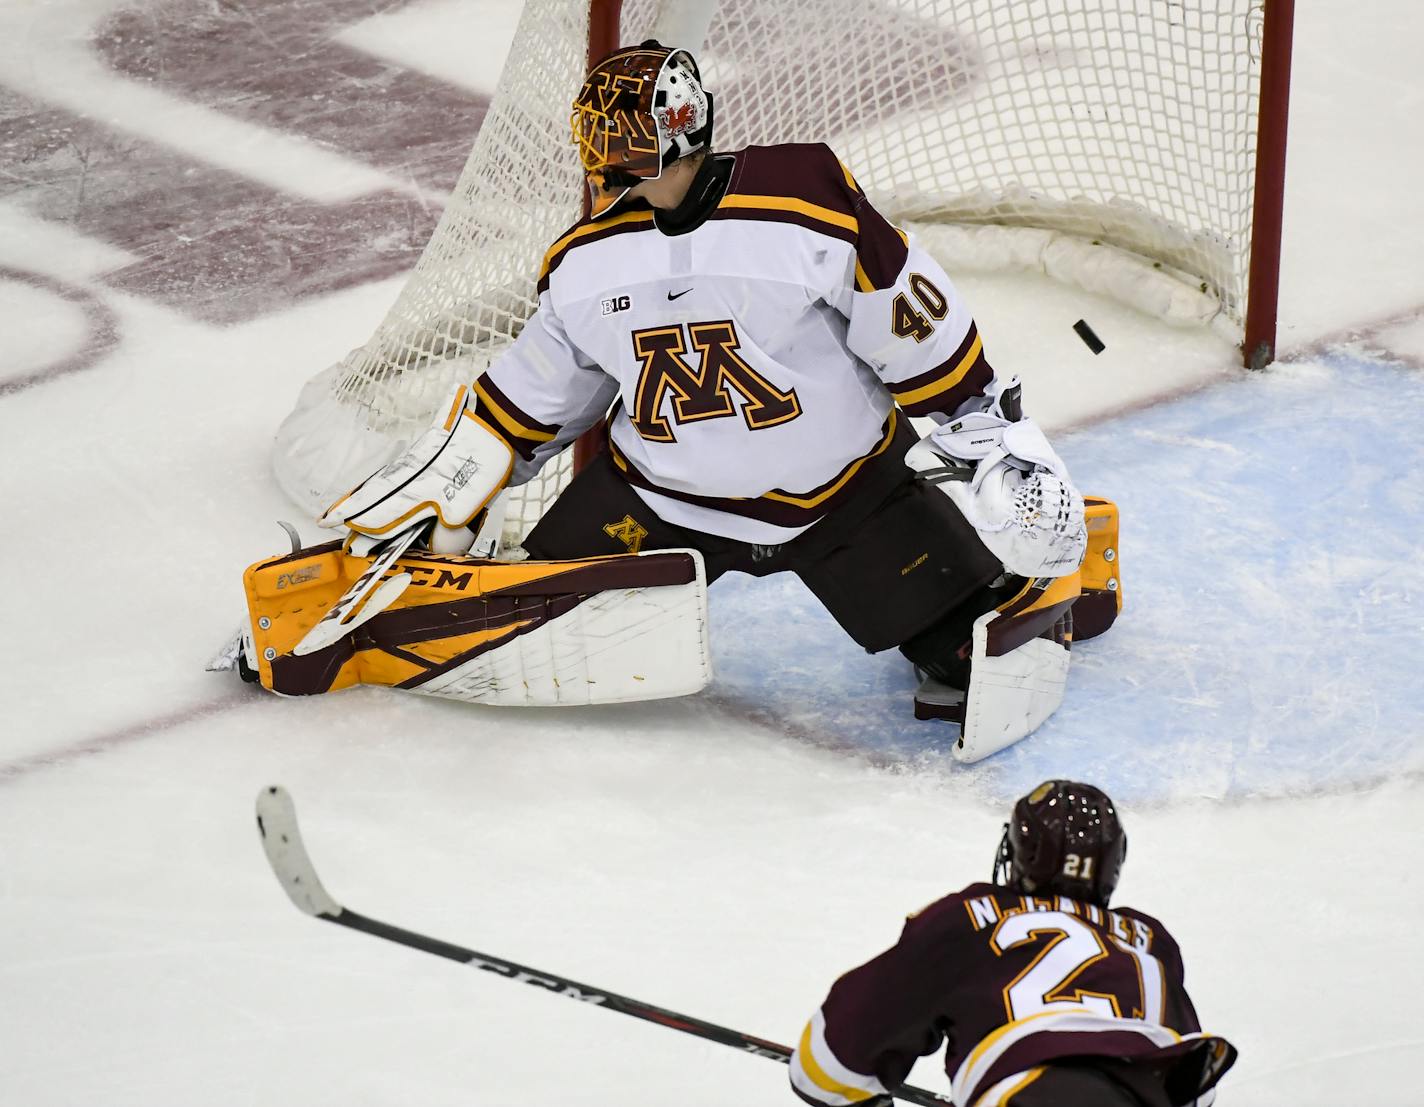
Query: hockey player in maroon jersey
x=763, y=336
x=1041, y=995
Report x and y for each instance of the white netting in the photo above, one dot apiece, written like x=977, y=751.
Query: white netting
x=1110, y=143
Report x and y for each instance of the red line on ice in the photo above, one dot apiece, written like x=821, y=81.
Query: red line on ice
x=134, y=732
x=101, y=337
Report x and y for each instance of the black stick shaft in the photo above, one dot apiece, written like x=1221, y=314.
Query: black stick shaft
x=585, y=993
x=292, y=865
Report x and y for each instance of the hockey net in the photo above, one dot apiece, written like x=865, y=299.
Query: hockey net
x=1109, y=143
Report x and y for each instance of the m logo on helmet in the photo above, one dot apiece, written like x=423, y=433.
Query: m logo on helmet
x=639, y=110
x=609, y=127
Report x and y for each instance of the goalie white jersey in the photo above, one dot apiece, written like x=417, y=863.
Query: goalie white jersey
x=757, y=360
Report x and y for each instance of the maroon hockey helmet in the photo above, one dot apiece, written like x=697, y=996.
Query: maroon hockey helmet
x=639, y=110
x=1065, y=839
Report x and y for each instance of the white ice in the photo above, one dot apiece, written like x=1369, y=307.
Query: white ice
x=1257, y=711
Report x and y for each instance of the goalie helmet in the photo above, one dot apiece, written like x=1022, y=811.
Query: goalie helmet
x=639, y=110
x=1064, y=839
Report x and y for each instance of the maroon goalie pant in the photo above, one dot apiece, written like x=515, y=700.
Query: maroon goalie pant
x=891, y=563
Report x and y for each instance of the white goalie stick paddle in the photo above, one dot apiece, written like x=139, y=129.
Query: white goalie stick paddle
x=363, y=600
x=282, y=842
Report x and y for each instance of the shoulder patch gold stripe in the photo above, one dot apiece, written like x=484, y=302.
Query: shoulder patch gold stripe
x=800, y=207
x=944, y=384
x=862, y=281
x=849, y=176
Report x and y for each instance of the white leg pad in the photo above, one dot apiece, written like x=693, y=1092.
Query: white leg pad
x=1011, y=695
x=616, y=646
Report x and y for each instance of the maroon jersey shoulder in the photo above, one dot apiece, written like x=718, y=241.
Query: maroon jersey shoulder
x=806, y=171
x=806, y=184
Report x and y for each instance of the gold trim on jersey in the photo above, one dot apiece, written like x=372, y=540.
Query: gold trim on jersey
x=977, y=1053
x=730, y=504
x=1012, y=1090
x=587, y=229
x=846, y=474
x=943, y=384
x=800, y=207
x=507, y=421
x=822, y=1079
x=862, y=281
x=849, y=176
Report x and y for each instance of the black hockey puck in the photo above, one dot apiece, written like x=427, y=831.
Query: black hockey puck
x=1089, y=337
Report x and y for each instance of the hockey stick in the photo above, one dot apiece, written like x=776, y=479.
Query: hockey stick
x=282, y=842
x=348, y=613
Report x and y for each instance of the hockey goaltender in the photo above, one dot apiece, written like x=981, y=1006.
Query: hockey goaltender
x=763, y=336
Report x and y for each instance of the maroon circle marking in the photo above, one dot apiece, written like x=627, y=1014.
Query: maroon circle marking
x=103, y=334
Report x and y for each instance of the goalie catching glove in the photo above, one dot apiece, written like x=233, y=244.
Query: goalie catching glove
x=1010, y=485
x=448, y=475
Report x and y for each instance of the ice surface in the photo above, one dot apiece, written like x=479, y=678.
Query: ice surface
x=1272, y=627
x=1257, y=709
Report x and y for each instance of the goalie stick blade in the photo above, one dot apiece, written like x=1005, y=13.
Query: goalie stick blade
x=330, y=631
x=282, y=842
x=342, y=618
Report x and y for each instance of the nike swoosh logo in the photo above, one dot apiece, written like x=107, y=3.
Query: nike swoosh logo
x=682, y=293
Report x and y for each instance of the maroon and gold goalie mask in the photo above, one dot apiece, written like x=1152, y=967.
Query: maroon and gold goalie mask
x=639, y=110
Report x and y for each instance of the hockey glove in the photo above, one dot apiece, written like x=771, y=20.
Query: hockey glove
x=449, y=475
x=1011, y=487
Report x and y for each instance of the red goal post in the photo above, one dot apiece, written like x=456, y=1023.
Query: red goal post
x=1135, y=148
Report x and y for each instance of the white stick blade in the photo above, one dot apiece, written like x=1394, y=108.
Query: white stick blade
x=330, y=631
x=282, y=842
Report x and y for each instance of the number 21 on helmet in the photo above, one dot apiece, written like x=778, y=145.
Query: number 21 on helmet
x=1063, y=838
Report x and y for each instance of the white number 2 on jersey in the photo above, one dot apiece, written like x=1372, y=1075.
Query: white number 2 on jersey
x=1071, y=945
